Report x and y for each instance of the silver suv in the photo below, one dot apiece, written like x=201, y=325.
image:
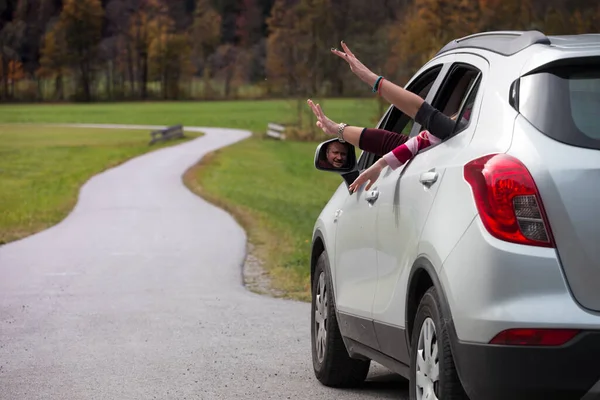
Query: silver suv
x=474, y=269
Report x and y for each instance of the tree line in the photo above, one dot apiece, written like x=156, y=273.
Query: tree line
x=84, y=50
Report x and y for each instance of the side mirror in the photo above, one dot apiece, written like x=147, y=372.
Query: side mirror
x=335, y=156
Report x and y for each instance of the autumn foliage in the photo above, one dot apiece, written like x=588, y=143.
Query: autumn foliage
x=177, y=49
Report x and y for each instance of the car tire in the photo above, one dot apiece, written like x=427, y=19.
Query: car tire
x=431, y=356
x=331, y=362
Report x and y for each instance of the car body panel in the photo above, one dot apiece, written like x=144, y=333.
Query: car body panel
x=568, y=179
x=355, y=256
x=356, y=241
x=492, y=285
x=548, y=54
x=490, y=132
x=405, y=207
x=325, y=226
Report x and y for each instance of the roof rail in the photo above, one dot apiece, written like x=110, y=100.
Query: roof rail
x=505, y=43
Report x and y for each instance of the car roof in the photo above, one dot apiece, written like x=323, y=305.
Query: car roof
x=570, y=41
x=508, y=43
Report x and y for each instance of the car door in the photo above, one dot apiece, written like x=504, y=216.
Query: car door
x=356, y=238
x=356, y=264
x=406, y=196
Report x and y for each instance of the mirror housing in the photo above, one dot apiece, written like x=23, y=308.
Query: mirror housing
x=349, y=170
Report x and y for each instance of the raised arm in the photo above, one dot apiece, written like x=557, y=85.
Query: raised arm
x=351, y=134
x=409, y=103
x=372, y=140
x=394, y=159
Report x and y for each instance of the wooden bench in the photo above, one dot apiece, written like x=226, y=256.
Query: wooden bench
x=172, y=132
x=275, y=131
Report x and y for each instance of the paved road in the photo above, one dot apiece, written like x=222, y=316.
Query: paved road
x=137, y=294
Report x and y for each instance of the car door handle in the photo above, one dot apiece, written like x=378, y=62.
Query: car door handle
x=372, y=196
x=337, y=215
x=428, y=178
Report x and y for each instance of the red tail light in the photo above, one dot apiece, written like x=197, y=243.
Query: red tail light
x=534, y=337
x=508, y=201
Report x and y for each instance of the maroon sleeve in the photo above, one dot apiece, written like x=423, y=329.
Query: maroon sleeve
x=379, y=141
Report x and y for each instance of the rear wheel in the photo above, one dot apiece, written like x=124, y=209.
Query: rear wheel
x=331, y=362
x=433, y=374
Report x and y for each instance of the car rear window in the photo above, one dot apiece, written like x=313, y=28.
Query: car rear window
x=564, y=103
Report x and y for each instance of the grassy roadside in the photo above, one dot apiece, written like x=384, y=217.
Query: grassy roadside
x=42, y=169
x=274, y=192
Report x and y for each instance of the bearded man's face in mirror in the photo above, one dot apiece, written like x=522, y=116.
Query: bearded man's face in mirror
x=337, y=154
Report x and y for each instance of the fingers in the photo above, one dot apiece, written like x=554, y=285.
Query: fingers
x=323, y=127
x=353, y=184
x=316, y=111
x=313, y=108
x=340, y=54
x=320, y=110
x=346, y=49
x=316, y=108
x=357, y=183
x=369, y=176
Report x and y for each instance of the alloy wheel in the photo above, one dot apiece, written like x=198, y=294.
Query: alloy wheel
x=428, y=365
x=321, y=317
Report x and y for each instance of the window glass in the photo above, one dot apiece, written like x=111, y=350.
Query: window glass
x=563, y=103
x=466, y=108
x=455, y=89
x=458, y=94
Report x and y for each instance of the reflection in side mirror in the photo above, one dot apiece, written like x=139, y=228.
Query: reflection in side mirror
x=335, y=156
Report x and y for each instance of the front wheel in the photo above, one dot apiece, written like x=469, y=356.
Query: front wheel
x=433, y=374
x=331, y=362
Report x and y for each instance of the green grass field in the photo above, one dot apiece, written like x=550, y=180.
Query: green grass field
x=251, y=115
x=271, y=187
x=42, y=169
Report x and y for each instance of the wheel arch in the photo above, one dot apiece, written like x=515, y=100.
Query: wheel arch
x=423, y=276
x=318, y=247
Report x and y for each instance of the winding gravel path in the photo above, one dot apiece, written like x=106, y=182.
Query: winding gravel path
x=138, y=294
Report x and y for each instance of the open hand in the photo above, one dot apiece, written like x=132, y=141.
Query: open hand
x=370, y=175
x=328, y=126
x=358, y=68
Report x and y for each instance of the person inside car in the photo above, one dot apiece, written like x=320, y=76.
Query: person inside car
x=395, y=149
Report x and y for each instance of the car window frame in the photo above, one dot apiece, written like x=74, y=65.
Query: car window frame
x=367, y=159
x=475, y=85
x=435, y=102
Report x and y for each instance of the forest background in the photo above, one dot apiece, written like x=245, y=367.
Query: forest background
x=128, y=50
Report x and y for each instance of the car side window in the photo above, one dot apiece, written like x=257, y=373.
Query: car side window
x=396, y=120
x=457, y=95
x=466, y=108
